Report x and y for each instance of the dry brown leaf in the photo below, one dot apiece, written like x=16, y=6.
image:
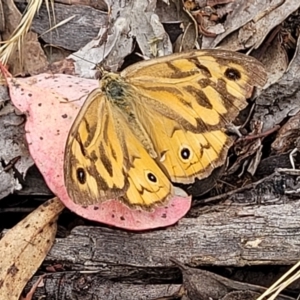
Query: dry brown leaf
x=24, y=247
x=136, y=23
x=275, y=60
x=12, y=145
x=281, y=99
x=250, y=22
x=33, y=56
x=287, y=135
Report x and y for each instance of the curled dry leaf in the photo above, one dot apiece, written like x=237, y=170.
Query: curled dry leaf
x=14, y=153
x=250, y=22
x=281, y=99
x=287, y=135
x=274, y=57
x=44, y=99
x=134, y=23
x=24, y=247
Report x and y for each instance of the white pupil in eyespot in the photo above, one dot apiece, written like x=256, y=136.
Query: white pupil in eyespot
x=185, y=153
x=151, y=177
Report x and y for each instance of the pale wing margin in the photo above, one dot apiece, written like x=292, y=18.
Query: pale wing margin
x=156, y=68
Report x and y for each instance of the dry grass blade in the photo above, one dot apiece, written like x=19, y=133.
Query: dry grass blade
x=59, y=24
x=283, y=282
x=17, y=37
x=24, y=247
x=19, y=33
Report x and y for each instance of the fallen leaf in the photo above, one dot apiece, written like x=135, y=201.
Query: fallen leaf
x=48, y=102
x=24, y=247
x=118, y=38
x=250, y=22
x=281, y=99
x=12, y=146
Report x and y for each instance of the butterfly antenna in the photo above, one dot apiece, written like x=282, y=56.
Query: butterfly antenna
x=84, y=59
x=103, y=41
x=99, y=66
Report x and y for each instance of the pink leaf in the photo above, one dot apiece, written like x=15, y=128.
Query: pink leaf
x=48, y=102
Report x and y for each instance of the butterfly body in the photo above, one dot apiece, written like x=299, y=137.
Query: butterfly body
x=122, y=97
x=157, y=121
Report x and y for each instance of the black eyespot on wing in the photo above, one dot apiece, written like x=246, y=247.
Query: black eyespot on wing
x=185, y=153
x=81, y=175
x=152, y=177
x=232, y=74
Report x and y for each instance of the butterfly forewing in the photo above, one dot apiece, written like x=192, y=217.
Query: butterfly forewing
x=186, y=106
x=210, y=85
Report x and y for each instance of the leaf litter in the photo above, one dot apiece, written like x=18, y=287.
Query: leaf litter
x=243, y=30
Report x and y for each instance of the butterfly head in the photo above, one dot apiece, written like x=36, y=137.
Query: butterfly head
x=115, y=88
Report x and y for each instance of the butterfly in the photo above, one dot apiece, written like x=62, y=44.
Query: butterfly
x=158, y=122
